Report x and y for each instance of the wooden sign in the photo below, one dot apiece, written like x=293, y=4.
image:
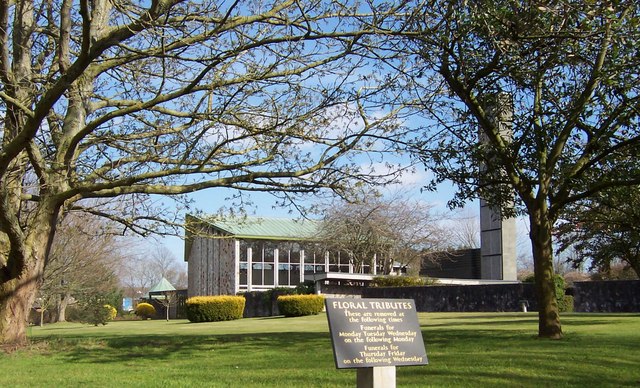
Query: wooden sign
x=375, y=332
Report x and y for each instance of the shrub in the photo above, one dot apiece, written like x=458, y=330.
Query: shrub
x=306, y=288
x=567, y=304
x=145, y=310
x=400, y=281
x=74, y=313
x=269, y=296
x=111, y=311
x=96, y=314
x=559, y=283
x=92, y=309
x=300, y=305
x=214, y=308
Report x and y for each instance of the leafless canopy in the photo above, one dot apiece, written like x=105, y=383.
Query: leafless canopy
x=109, y=98
x=394, y=231
x=106, y=106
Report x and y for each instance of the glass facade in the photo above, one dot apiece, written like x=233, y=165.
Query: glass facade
x=267, y=264
x=314, y=260
x=289, y=255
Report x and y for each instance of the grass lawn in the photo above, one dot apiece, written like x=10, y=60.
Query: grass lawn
x=464, y=349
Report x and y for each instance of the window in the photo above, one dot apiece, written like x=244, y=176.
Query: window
x=289, y=264
x=339, y=262
x=243, y=263
x=268, y=269
x=262, y=264
x=314, y=261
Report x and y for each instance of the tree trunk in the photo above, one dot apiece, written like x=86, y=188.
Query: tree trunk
x=18, y=292
x=16, y=298
x=62, y=308
x=548, y=315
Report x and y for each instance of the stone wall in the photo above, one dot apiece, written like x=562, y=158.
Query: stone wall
x=607, y=296
x=480, y=298
x=341, y=291
x=589, y=297
x=263, y=303
x=602, y=297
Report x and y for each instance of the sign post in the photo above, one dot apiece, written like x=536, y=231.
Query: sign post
x=375, y=336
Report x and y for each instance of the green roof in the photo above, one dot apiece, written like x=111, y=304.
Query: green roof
x=266, y=228
x=163, y=285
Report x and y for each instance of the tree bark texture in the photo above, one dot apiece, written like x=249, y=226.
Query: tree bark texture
x=548, y=315
x=16, y=298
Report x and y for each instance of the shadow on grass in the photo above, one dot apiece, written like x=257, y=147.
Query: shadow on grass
x=463, y=353
x=140, y=348
x=493, y=321
x=513, y=319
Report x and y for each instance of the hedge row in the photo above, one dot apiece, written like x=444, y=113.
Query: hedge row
x=214, y=308
x=300, y=305
x=400, y=281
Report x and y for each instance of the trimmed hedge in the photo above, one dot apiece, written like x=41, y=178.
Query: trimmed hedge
x=145, y=310
x=400, y=281
x=214, y=308
x=300, y=305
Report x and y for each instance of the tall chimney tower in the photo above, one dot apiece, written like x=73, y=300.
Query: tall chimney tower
x=498, y=235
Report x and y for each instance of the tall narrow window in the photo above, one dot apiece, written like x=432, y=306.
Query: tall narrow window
x=268, y=267
x=257, y=263
x=284, y=264
x=294, y=264
x=243, y=264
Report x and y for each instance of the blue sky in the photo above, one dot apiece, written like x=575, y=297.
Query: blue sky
x=211, y=200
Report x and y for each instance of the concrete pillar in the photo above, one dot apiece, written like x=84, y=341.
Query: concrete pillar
x=377, y=377
x=497, y=244
x=498, y=235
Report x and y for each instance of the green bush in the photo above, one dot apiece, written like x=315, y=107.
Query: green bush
x=145, y=310
x=559, y=283
x=74, y=313
x=400, y=281
x=96, y=314
x=92, y=309
x=214, y=308
x=300, y=305
x=269, y=296
x=567, y=304
x=306, y=288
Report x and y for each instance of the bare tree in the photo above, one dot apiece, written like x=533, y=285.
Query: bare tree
x=168, y=299
x=83, y=258
x=393, y=230
x=120, y=102
x=167, y=266
x=142, y=270
x=465, y=232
